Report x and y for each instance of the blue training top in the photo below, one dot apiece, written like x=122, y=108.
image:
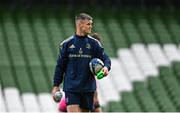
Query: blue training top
x=73, y=63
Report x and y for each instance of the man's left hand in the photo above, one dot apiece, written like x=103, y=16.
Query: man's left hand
x=105, y=71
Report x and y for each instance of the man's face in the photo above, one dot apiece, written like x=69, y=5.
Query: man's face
x=85, y=26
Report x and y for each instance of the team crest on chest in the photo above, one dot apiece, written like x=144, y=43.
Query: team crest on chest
x=88, y=46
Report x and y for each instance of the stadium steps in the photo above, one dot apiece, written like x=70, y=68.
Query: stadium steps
x=169, y=50
x=171, y=24
x=171, y=84
x=34, y=65
x=7, y=77
x=56, y=35
x=144, y=29
x=129, y=102
x=31, y=53
x=42, y=44
x=111, y=90
x=22, y=77
x=130, y=30
x=144, y=97
x=115, y=106
x=55, y=31
x=160, y=30
x=144, y=58
x=131, y=67
x=160, y=95
x=117, y=34
x=19, y=64
x=99, y=28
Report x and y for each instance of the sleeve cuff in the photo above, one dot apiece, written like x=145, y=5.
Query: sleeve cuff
x=56, y=85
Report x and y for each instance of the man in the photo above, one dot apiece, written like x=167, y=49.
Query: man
x=62, y=104
x=73, y=66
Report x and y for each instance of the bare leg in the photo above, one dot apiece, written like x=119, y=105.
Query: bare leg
x=98, y=109
x=96, y=103
x=73, y=108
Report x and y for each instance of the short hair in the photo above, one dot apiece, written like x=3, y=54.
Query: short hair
x=83, y=16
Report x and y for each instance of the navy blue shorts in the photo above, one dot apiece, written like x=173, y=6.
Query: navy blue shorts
x=84, y=100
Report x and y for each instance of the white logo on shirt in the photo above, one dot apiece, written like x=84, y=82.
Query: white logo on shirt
x=72, y=46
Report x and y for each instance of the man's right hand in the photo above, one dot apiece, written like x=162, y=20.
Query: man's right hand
x=54, y=90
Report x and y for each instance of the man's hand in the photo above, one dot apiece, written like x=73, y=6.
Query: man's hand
x=54, y=90
x=105, y=71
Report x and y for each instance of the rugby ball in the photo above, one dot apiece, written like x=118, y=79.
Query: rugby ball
x=96, y=65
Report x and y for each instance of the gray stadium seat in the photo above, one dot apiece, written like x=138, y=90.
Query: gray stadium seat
x=172, y=52
x=107, y=88
x=144, y=60
x=46, y=103
x=30, y=102
x=119, y=77
x=13, y=100
x=2, y=102
x=102, y=101
x=131, y=67
x=157, y=55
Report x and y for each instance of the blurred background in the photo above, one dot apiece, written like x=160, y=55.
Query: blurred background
x=142, y=37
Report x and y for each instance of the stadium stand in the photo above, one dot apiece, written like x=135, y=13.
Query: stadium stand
x=143, y=46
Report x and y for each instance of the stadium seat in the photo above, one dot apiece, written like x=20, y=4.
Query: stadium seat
x=174, y=27
x=56, y=33
x=160, y=29
x=119, y=77
x=30, y=102
x=172, y=52
x=99, y=28
x=67, y=25
x=3, y=55
x=23, y=79
x=145, y=30
x=39, y=81
x=130, y=102
x=104, y=85
x=144, y=97
x=13, y=100
x=7, y=78
x=132, y=33
x=160, y=95
x=131, y=66
x=2, y=101
x=171, y=84
x=144, y=60
x=157, y=55
x=44, y=46
x=117, y=34
x=46, y=103
x=115, y=106
x=103, y=102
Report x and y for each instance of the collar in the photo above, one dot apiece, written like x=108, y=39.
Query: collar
x=81, y=36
